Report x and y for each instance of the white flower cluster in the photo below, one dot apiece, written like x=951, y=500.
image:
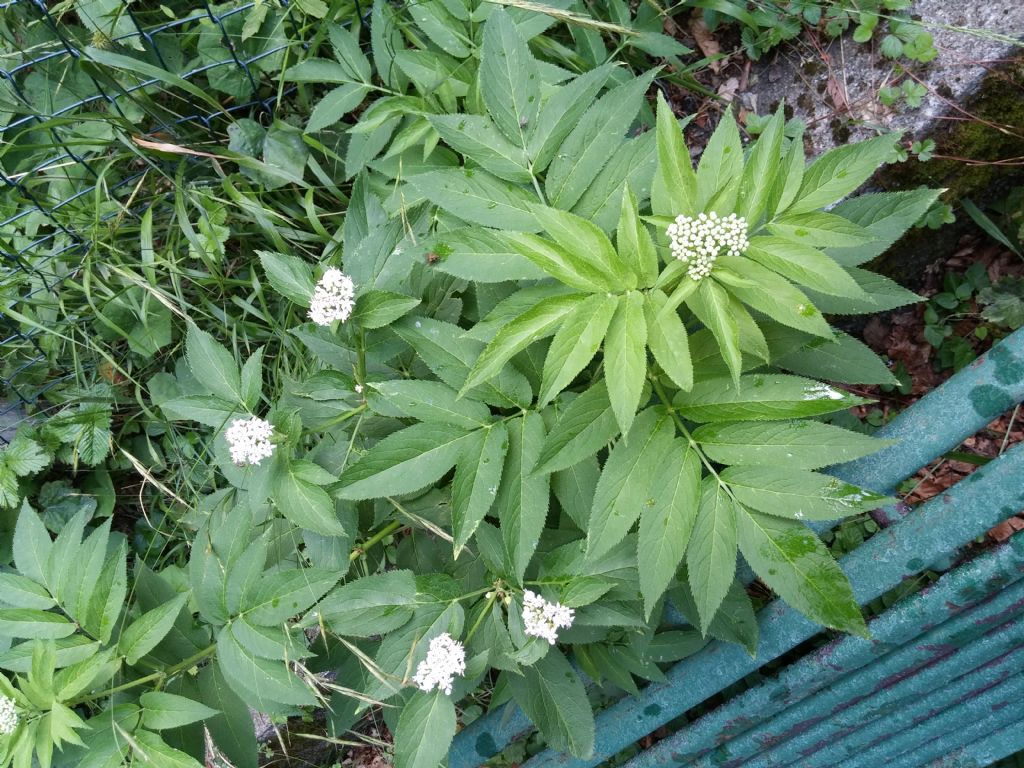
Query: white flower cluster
x=446, y=658
x=544, y=619
x=8, y=716
x=333, y=298
x=249, y=440
x=698, y=242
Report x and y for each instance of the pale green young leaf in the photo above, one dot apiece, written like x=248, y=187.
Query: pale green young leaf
x=425, y=730
x=625, y=358
x=760, y=171
x=33, y=624
x=265, y=685
x=562, y=111
x=289, y=275
x=667, y=338
x=799, y=494
x=212, y=365
x=21, y=592
x=534, y=324
x=576, y=343
x=31, y=545
x=588, y=244
x=509, y=78
x=716, y=310
x=625, y=488
x=146, y=632
x=586, y=426
x=567, y=266
x=476, y=482
x=791, y=175
x=794, y=562
x=840, y=171
x=762, y=397
x=478, y=197
x=371, y=605
x=632, y=164
x=405, y=461
x=477, y=138
x=886, y=216
x=483, y=256
x=665, y=527
x=803, y=444
x=773, y=295
x=819, y=230
x=721, y=161
x=805, y=265
x=711, y=553
x=284, y=594
x=882, y=295
x=633, y=242
x=552, y=696
x=522, y=502
x=429, y=401
x=305, y=504
x=168, y=710
x=593, y=139
x=843, y=358
x=674, y=191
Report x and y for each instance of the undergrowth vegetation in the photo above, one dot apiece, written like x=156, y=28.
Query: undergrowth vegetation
x=420, y=375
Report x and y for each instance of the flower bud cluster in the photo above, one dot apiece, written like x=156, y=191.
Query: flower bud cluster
x=544, y=619
x=333, y=298
x=699, y=241
x=249, y=440
x=446, y=658
x=8, y=716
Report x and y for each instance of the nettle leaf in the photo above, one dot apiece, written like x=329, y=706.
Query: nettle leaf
x=665, y=527
x=146, y=632
x=429, y=401
x=799, y=494
x=483, y=256
x=840, y=171
x=305, y=503
x=476, y=482
x=717, y=311
x=805, y=265
x=522, y=502
x=425, y=730
x=773, y=295
x=212, y=365
x=586, y=426
x=762, y=397
x=534, y=324
x=721, y=161
x=803, y=444
x=625, y=488
x=167, y=710
x=625, y=358
x=372, y=605
x=375, y=309
x=552, y=696
x=819, y=230
x=576, y=343
x=588, y=245
x=711, y=553
x=477, y=138
x=404, y=461
x=791, y=560
x=634, y=243
x=477, y=197
x=289, y=275
x=885, y=216
x=509, y=78
x=562, y=111
x=668, y=340
x=674, y=191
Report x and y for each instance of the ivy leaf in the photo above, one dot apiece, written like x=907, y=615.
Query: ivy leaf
x=212, y=365
x=586, y=426
x=509, y=78
x=711, y=554
x=425, y=730
x=665, y=527
x=522, y=503
x=476, y=482
x=404, y=462
x=146, y=632
x=552, y=696
x=167, y=710
x=799, y=494
x=674, y=191
x=576, y=343
x=797, y=565
x=762, y=397
x=625, y=358
x=624, y=490
x=667, y=338
x=840, y=171
x=289, y=275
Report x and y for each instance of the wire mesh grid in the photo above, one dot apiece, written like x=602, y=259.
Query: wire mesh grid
x=59, y=71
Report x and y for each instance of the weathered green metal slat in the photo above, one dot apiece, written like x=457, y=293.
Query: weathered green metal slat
x=796, y=709
x=994, y=746
x=936, y=424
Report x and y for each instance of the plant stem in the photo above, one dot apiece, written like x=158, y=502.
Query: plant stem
x=382, y=534
x=172, y=670
x=483, y=614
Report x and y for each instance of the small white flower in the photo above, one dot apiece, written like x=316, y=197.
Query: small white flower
x=699, y=241
x=249, y=440
x=359, y=389
x=446, y=658
x=333, y=298
x=8, y=716
x=544, y=619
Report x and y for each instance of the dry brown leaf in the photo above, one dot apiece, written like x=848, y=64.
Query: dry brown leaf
x=163, y=146
x=837, y=93
x=727, y=90
x=705, y=41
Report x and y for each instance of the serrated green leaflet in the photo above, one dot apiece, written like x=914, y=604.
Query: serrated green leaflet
x=674, y=191
x=476, y=482
x=589, y=246
x=625, y=357
x=721, y=161
x=634, y=243
x=885, y=216
x=212, y=365
x=799, y=494
x=668, y=340
x=840, y=171
x=372, y=605
x=552, y=695
x=819, y=230
x=167, y=710
x=711, y=553
x=714, y=308
x=576, y=343
x=803, y=264
x=477, y=197
x=426, y=728
x=432, y=401
x=522, y=502
x=762, y=397
x=509, y=78
x=842, y=359
x=482, y=255
x=585, y=427
x=477, y=137
x=143, y=635
x=562, y=111
x=795, y=564
x=882, y=294
x=288, y=275
x=760, y=170
x=305, y=504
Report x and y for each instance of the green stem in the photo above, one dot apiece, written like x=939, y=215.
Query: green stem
x=191, y=661
x=378, y=537
x=342, y=417
x=481, y=617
